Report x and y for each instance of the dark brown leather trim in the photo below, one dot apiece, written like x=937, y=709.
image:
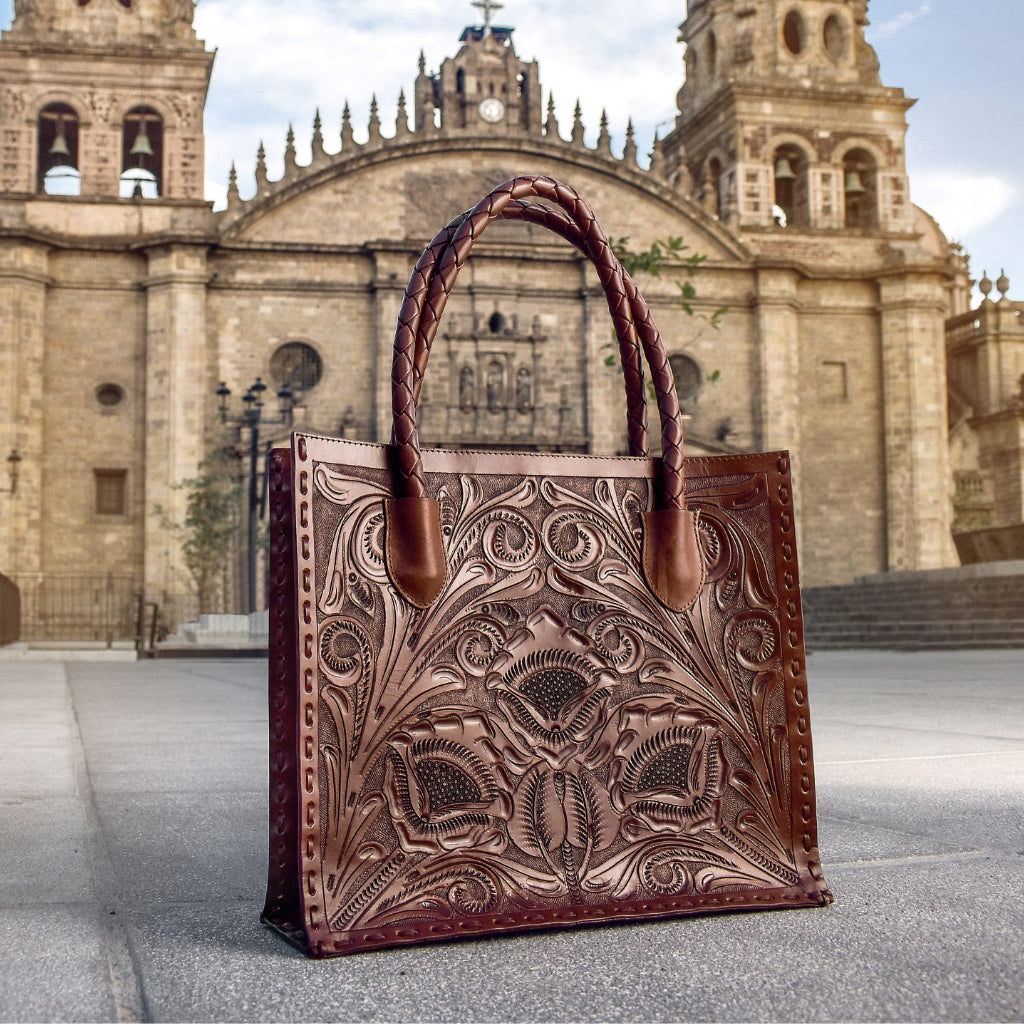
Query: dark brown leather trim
x=283, y=908
x=344, y=451
x=673, y=566
x=414, y=549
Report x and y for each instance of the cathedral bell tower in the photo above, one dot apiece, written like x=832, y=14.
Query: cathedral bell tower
x=783, y=121
x=103, y=99
x=484, y=88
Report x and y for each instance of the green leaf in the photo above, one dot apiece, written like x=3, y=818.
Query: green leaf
x=666, y=252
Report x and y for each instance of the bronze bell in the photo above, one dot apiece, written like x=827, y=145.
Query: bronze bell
x=141, y=146
x=784, y=170
x=854, y=186
x=60, y=142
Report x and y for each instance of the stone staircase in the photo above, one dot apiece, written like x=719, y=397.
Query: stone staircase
x=230, y=636
x=972, y=606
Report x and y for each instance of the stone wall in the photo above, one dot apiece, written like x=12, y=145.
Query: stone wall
x=831, y=346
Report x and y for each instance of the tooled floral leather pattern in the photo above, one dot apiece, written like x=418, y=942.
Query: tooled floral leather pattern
x=547, y=735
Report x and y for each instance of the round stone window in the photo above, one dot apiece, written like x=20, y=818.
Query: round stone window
x=687, y=376
x=110, y=395
x=835, y=38
x=793, y=32
x=298, y=365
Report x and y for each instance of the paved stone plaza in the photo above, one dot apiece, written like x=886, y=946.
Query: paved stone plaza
x=133, y=839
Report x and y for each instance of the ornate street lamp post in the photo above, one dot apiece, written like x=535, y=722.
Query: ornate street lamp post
x=251, y=418
x=13, y=465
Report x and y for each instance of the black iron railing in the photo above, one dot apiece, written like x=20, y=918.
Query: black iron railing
x=86, y=606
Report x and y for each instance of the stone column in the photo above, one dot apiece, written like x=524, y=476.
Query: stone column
x=183, y=163
x=178, y=391
x=17, y=144
x=753, y=194
x=23, y=279
x=826, y=185
x=999, y=359
x=778, y=337
x=99, y=153
x=777, y=344
x=918, y=481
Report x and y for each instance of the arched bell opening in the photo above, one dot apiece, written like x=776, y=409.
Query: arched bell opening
x=142, y=154
x=58, y=166
x=789, y=169
x=860, y=190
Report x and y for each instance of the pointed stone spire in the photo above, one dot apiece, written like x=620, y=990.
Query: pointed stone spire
x=577, y=125
x=290, y=163
x=422, y=63
x=657, y=158
x=682, y=179
x=373, y=128
x=318, y=138
x=551, y=125
x=604, y=140
x=261, y=169
x=348, y=142
x=401, y=118
x=234, y=199
x=629, y=149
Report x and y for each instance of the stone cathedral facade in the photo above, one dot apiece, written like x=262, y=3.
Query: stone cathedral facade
x=125, y=299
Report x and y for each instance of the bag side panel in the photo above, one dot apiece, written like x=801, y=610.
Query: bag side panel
x=283, y=909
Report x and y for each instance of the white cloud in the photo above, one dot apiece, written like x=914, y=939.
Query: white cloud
x=962, y=201
x=277, y=63
x=903, y=19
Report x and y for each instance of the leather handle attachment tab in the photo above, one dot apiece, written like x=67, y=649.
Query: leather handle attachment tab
x=414, y=549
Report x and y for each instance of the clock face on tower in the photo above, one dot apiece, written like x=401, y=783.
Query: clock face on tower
x=492, y=110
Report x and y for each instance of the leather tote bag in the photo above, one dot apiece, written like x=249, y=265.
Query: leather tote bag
x=515, y=690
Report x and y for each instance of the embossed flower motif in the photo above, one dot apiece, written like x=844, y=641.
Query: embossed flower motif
x=552, y=688
x=562, y=817
x=667, y=770
x=445, y=784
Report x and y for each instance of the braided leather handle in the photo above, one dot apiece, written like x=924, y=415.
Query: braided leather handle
x=431, y=292
x=557, y=221
x=415, y=553
x=620, y=300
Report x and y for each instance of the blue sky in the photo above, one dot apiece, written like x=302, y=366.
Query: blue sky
x=965, y=147
x=278, y=60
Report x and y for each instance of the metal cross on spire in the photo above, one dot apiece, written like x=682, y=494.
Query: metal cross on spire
x=488, y=7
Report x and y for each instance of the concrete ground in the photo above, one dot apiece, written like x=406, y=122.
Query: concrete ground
x=133, y=846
